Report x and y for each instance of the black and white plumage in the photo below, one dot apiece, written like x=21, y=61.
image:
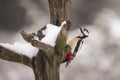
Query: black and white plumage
x=77, y=41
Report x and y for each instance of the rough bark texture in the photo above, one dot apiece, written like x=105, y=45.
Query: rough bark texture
x=47, y=62
x=58, y=10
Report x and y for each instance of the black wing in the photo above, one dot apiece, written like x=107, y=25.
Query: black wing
x=79, y=43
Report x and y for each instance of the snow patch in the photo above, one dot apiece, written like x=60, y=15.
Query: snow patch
x=51, y=32
x=21, y=48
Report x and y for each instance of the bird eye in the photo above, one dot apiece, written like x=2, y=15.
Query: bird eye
x=87, y=30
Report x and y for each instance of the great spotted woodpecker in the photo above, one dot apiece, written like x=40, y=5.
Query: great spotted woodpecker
x=76, y=43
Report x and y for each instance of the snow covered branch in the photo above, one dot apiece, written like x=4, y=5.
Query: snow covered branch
x=10, y=55
x=35, y=42
x=52, y=37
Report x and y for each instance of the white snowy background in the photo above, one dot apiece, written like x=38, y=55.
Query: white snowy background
x=99, y=58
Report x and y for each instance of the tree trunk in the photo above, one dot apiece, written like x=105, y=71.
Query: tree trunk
x=46, y=64
x=43, y=69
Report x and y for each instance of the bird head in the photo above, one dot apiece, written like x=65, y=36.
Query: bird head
x=84, y=31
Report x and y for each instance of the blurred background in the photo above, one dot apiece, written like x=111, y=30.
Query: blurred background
x=98, y=59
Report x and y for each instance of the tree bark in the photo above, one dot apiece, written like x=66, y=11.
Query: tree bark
x=59, y=11
x=44, y=69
